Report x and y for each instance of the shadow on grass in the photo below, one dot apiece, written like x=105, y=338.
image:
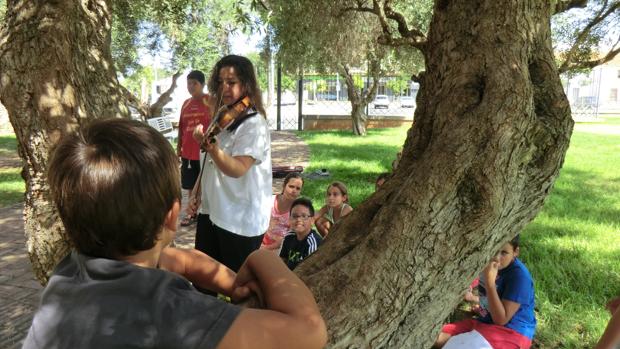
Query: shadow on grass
x=357, y=168
x=574, y=259
x=356, y=161
x=583, y=196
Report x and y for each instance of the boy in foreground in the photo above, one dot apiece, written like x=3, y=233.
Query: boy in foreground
x=123, y=287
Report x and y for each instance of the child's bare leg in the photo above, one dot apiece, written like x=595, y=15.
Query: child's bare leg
x=441, y=340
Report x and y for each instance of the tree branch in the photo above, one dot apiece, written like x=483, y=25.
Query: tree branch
x=565, y=5
x=375, y=66
x=135, y=102
x=351, y=90
x=595, y=62
x=256, y=3
x=409, y=37
x=403, y=29
x=156, y=108
x=600, y=16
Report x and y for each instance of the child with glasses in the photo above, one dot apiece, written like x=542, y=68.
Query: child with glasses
x=302, y=241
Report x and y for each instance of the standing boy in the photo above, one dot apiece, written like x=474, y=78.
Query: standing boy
x=303, y=240
x=116, y=188
x=195, y=111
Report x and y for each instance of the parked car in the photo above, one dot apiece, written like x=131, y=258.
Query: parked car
x=407, y=102
x=381, y=101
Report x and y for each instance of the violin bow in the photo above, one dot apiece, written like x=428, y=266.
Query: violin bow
x=202, y=168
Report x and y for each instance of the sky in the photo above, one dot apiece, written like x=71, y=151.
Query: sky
x=241, y=44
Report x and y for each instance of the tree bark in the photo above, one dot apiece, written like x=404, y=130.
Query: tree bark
x=492, y=128
x=57, y=74
x=358, y=118
x=358, y=99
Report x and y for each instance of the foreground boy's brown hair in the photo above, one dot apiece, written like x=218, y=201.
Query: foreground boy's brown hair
x=113, y=185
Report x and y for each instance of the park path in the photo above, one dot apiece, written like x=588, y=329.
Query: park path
x=20, y=292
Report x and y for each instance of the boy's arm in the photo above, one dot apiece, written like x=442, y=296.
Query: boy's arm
x=292, y=318
x=198, y=268
x=611, y=336
x=321, y=223
x=501, y=310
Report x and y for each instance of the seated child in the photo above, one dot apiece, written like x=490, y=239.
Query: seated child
x=278, y=223
x=116, y=188
x=506, y=293
x=303, y=240
x=611, y=337
x=337, y=207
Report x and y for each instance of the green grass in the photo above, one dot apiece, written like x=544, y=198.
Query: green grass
x=8, y=145
x=11, y=183
x=356, y=161
x=572, y=248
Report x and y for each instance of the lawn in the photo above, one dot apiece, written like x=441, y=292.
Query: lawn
x=571, y=248
x=11, y=183
x=356, y=161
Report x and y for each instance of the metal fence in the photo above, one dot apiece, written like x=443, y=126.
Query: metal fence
x=316, y=94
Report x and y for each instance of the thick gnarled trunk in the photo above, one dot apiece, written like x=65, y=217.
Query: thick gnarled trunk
x=56, y=74
x=492, y=128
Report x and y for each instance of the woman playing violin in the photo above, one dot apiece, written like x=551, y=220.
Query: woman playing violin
x=236, y=181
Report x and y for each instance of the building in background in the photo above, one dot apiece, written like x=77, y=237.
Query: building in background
x=595, y=93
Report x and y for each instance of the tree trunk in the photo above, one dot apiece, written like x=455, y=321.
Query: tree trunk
x=358, y=118
x=358, y=99
x=57, y=74
x=492, y=128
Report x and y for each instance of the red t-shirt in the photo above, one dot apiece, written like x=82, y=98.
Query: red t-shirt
x=194, y=112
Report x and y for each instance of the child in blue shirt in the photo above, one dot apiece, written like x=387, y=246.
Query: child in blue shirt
x=302, y=241
x=507, y=304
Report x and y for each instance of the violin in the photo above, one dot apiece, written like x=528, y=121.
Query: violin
x=225, y=117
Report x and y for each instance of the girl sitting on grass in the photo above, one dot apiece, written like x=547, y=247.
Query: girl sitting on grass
x=506, y=294
x=279, y=222
x=336, y=207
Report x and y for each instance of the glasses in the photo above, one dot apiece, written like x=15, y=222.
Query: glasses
x=303, y=217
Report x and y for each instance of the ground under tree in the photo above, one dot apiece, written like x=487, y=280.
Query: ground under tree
x=492, y=127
